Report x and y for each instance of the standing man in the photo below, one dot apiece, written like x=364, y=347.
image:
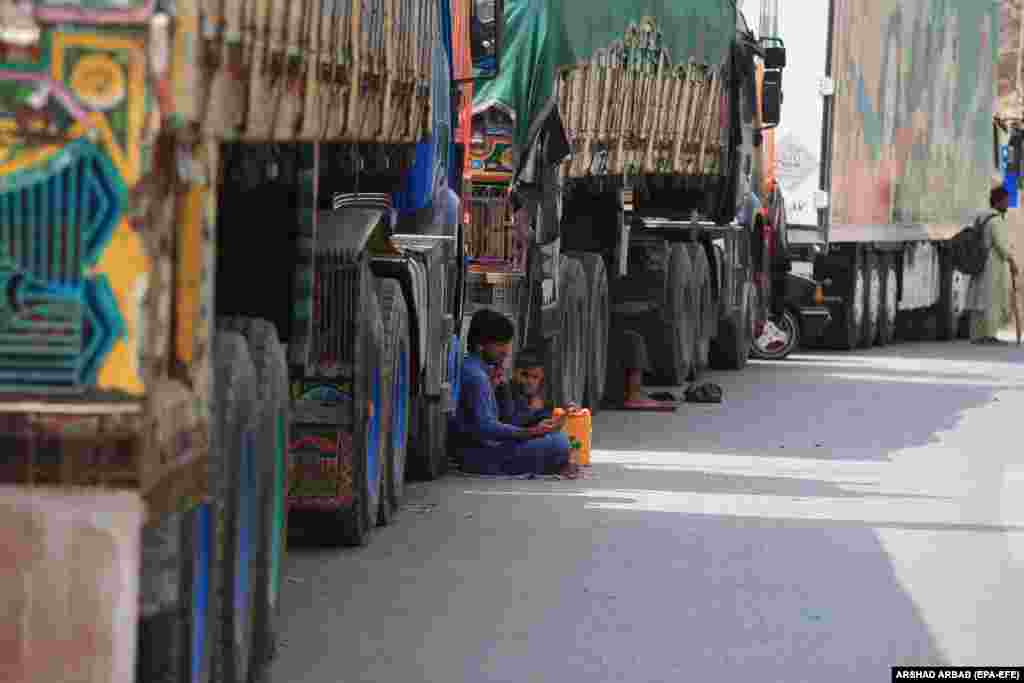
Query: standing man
x=486, y=445
x=988, y=297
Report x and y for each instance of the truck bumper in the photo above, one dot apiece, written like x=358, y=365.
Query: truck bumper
x=814, y=320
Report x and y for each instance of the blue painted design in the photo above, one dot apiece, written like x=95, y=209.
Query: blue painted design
x=247, y=519
x=373, y=438
x=104, y=327
x=455, y=368
x=56, y=219
x=400, y=401
x=327, y=394
x=202, y=525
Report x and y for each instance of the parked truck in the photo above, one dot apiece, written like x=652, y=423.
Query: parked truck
x=611, y=169
x=884, y=153
x=231, y=270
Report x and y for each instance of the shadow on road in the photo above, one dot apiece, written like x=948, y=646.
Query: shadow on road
x=725, y=543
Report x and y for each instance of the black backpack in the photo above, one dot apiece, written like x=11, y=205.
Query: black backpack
x=968, y=247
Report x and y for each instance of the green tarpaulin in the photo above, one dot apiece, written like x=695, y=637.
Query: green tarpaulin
x=539, y=37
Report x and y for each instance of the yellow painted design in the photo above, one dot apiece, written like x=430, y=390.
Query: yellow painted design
x=127, y=158
x=188, y=279
x=127, y=266
x=98, y=81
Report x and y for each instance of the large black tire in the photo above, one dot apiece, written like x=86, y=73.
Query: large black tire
x=730, y=350
x=575, y=307
x=235, y=484
x=849, y=277
x=396, y=360
x=355, y=524
x=949, y=312
x=890, y=299
x=706, y=314
x=595, y=329
x=673, y=364
x=872, y=300
x=431, y=440
x=273, y=420
x=161, y=591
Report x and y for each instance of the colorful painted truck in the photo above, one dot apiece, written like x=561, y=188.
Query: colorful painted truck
x=286, y=156
x=885, y=151
x=611, y=166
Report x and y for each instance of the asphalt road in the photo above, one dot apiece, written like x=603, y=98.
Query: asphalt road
x=837, y=515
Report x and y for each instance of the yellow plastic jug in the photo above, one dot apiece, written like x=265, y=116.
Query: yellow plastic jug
x=578, y=427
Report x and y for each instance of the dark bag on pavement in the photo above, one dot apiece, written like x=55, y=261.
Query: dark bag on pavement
x=968, y=246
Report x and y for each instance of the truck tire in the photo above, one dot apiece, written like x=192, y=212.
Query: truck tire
x=730, y=350
x=949, y=312
x=890, y=299
x=431, y=440
x=198, y=552
x=233, y=471
x=355, y=524
x=271, y=367
x=849, y=276
x=576, y=312
x=396, y=358
x=673, y=365
x=595, y=329
x=163, y=594
x=705, y=312
x=872, y=300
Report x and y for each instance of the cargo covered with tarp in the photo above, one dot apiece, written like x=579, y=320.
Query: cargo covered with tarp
x=639, y=85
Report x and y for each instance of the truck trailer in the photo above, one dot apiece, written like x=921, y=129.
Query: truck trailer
x=612, y=184
x=885, y=153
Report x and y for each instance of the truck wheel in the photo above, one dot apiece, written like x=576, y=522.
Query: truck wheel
x=233, y=472
x=395, y=359
x=431, y=439
x=890, y=299
x=780, y=338
x=731, y=348
x=595, y=330
x=577, y=306
x=198, y=551
x=356, y=522
x=872, y=300
x=847, y=335
x=949, y=309
x=271, y=367
x=162, y=588
x=705, y=311
x=678, y=324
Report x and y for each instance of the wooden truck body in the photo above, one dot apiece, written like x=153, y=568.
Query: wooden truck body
x=228, y=292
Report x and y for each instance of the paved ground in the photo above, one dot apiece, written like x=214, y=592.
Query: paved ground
x=837, y=515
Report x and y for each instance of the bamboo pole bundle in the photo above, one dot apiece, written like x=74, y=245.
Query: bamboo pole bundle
x=683, y=117
x=288, y=85
x=309, y=116
x=260, y=110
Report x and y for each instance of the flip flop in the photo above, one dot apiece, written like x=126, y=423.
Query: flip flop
x=664, y=396
x=648, y=405
x=704, y=393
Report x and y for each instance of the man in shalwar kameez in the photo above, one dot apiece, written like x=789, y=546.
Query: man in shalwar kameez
x=486, y=445
x=988, y=296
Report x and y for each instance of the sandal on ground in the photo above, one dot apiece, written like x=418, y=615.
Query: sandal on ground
x=665, y=397
x=989, y=341
x=704, y=393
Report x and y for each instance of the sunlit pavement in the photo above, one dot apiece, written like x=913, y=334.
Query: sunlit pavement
x=837, y=515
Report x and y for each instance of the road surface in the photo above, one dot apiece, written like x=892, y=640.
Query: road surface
x=837, y=515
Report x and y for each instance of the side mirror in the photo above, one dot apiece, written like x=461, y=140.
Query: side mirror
x=485, y=21
x=771, y=99
x=774, y=53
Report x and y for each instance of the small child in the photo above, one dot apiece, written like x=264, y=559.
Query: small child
x=527, y=406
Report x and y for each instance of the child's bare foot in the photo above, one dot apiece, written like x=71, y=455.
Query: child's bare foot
x=570, y=471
